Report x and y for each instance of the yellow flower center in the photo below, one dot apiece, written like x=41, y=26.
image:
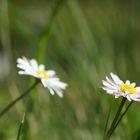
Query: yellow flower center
x=42, y=72
x=129, y=88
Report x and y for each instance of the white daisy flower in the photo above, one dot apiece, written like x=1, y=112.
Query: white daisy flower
x=117, y=87
x=47, y=77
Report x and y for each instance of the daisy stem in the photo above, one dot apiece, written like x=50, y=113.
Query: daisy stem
x=111, y=129
x=122, y=116
x=10, y=105
x=20, y=127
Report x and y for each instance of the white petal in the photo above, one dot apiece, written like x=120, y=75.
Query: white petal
x=116, y=96
x=59, y=92
x=22, y=72
x=51, y=91
x=127, y=82
x=116, y=79
x=51, y=73
x=138, y=89
x=108, y=85
x=110, y=81
x=128, y=98
x=21, y=61
x=23, y=64
x=61, y=84
x=133, y=84
x=44, y=82
x=108, y=89
x=41, y=67
x=137, y=95
x=34, y=64
x=54, y=86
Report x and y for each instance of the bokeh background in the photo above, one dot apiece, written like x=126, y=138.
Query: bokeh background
x=83, y=41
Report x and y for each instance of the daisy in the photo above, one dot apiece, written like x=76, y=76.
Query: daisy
x=47, y=77
x=117, y=87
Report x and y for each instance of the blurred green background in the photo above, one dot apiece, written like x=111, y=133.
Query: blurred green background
x=83, y=41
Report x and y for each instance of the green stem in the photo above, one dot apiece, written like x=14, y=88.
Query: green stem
x=45, y=37
x=122, y=115
x=110, y=131
x=10, y=105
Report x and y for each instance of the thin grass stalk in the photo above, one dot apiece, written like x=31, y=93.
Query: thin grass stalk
x=122, y=115
x=10, y=105
x=45, y=37
x=107, y=121
x=20, y=126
